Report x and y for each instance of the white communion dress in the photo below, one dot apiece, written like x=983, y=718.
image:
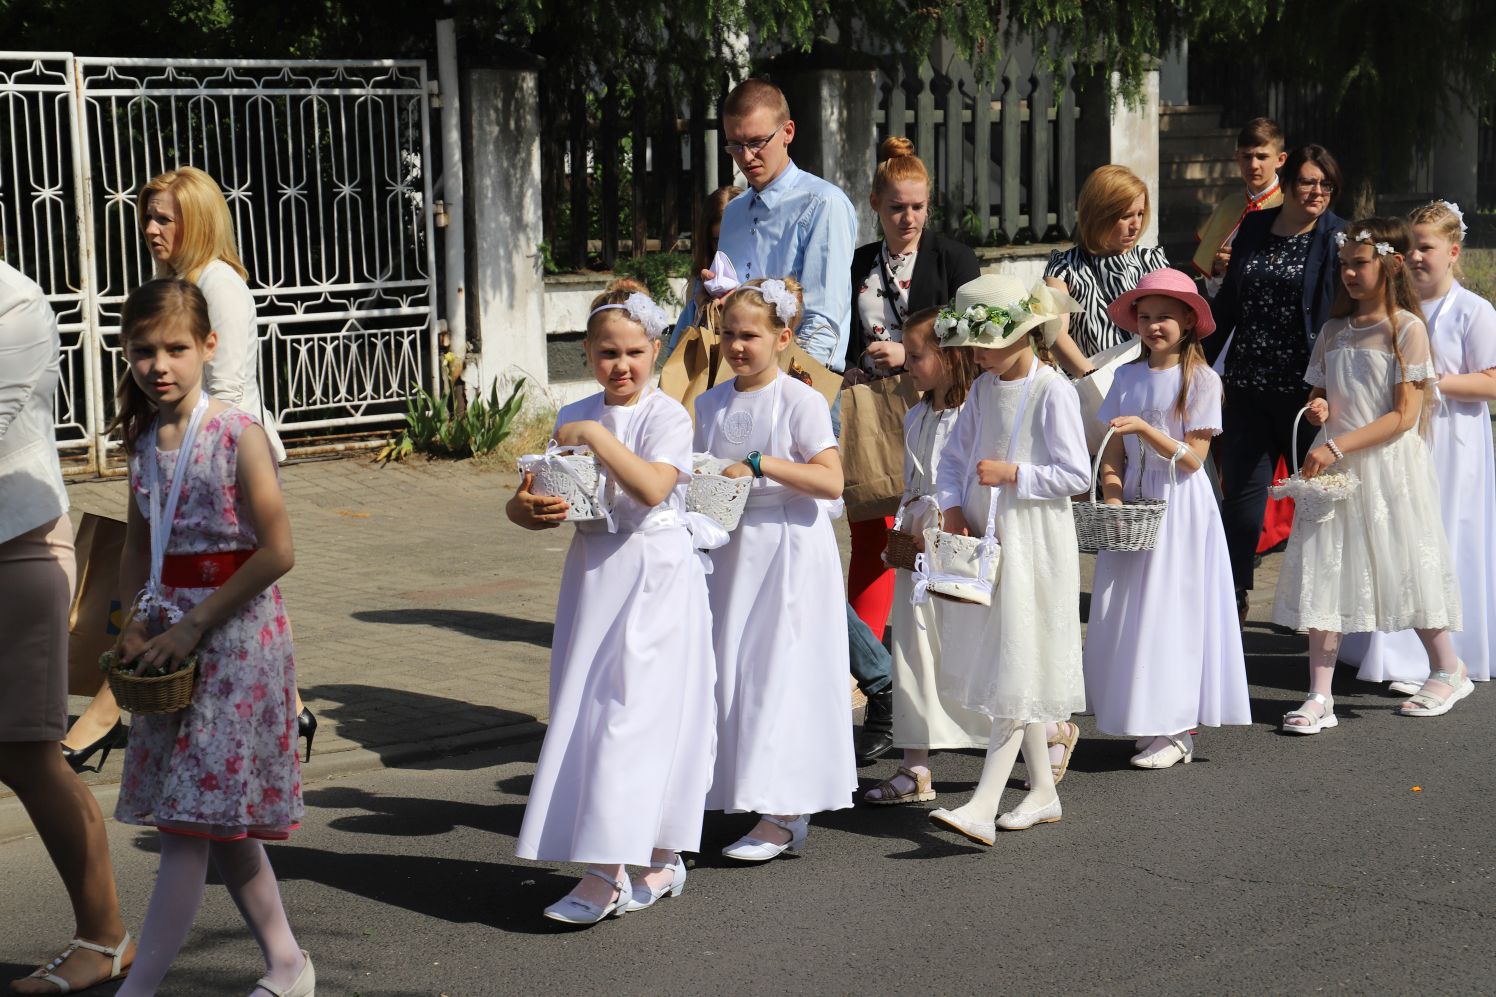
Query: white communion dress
x=1463, y=332
x=1381, y=561
x=627, y=756
x=784, y=718
x=922, y=718
x=1163, y=648
x=1020, y=658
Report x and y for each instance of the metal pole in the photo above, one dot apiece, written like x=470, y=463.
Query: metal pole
x=454, y=240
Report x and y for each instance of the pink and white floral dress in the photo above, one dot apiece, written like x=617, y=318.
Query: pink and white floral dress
x=226, y=767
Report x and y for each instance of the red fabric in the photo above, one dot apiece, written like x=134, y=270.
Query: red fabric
x=1277, y=522
x=256, y=834
x=201, y=571
x=869, y=580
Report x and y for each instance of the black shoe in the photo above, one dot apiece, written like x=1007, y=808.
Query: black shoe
x=306, y=726
x=78, y=757
x=875, y=739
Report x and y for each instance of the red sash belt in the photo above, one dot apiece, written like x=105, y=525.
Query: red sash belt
x=202, y=571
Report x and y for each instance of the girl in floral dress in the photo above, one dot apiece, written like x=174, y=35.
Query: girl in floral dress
x=207, y=537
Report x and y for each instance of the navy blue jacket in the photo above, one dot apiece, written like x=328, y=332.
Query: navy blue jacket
x=1321, y=275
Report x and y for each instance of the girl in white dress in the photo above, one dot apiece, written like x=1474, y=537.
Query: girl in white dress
x=1163, y=649
x=1462, y=330
x=922, y=720
x=784, y=720
x=627, y=756
x=1380, y=562
x=1018, y=661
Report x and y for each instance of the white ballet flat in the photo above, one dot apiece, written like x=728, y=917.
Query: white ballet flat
x=644, y=894
x=751, y=849
x=984, y=834
x=1178, y=748
x=1022, y=820
x=305, y=984
x=571, y=910
x=1312, y=724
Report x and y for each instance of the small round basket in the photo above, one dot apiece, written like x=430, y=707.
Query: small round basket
x=712, y=494
x=904, y=545
x=1131, y=526
x=569, y=473
x=1314, y=499
x=146, y=694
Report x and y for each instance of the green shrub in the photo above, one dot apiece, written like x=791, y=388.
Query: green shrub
x=433, y=426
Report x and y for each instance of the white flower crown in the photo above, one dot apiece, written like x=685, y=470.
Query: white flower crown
x=642, y=309
x=1459, y=215
x=1382, y=248
x=987, y=323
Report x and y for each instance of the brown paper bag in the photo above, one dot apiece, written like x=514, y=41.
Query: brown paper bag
x=872, y=445
x=800, y=365
x=94, y=620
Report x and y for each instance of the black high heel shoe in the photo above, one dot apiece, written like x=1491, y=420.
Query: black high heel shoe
x=306, y=726
x=78, y=757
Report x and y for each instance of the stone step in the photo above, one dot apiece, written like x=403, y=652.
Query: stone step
x=1189, y=118
x=1197, y=169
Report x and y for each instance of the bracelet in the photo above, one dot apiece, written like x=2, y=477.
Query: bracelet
x=752, y=461
x=1334, y=449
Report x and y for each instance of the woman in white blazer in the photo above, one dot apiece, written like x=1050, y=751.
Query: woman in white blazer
x=36, y=575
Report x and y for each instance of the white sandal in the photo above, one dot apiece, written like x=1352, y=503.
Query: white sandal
x=116, y=954
x=1430, y=704
x=305, y=984
x=1313, y=724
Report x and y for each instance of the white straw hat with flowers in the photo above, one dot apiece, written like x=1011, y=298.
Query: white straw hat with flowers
x=995, y=311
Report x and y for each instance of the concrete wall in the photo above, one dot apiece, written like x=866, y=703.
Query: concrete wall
x=1134, y=144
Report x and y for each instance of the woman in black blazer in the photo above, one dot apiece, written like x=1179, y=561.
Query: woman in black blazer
x=1276, y=296
x=908, y=270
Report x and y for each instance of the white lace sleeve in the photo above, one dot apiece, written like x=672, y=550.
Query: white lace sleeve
x=1413, y=347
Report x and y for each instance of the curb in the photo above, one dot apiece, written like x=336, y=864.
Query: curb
x=16, y=824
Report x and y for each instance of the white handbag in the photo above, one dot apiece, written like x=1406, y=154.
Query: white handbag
x=966, y=568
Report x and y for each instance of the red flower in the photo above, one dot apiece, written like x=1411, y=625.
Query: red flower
x=181, y=743
x=208, y=783
x=271, y=795
x=244, y=709
x=258, y=691
x=233, y=763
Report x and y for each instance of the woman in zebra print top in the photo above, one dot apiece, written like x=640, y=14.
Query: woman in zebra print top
x=1111, y=214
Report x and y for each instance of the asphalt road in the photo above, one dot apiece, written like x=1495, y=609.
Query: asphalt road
x=1271, y=864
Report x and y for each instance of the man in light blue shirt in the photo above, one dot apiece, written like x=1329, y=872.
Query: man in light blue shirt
x=789, y=223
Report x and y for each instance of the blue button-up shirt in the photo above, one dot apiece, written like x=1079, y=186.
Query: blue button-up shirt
x=803, y=227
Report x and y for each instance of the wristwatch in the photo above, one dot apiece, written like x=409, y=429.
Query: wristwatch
x=752, y=461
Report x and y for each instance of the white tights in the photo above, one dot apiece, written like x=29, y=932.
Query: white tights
x=1008, y=736
x=245, y=870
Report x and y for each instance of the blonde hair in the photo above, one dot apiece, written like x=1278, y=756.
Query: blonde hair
x=751, y=294
x=897, y=163
x=752, y=94
x=616, y=293
x=1105, y=196
x=1446, y=223
x=205, y=231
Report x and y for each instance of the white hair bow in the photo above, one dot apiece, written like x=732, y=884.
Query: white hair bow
x=776, y=293
x=642, y=309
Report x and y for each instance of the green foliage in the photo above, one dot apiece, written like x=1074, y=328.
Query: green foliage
x=654, y=271
x=435, y=426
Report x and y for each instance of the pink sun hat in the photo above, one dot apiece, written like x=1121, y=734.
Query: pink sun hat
x=1170, y=283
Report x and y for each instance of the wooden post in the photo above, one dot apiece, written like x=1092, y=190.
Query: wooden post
x=1065, y=143
x=981, y=156
x=893, y=118
x=1012, y=148
x=642, y=176
x=607, y=156
x=667, y=168
x=579, y=199
x=955, y=187
x=924, y=115
x=1041, y=101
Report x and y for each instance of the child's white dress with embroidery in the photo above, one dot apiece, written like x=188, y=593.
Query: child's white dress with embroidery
x=1163, y=648
x=784, y=710
x=226, y=767
x=1019, y=659
x=922, y=718
x=1381, y=562
x=628, y=750
x=1464, y=342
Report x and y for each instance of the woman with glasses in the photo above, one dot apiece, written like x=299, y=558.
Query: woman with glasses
x=1275, y=298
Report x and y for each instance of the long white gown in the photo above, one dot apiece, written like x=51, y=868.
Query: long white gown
x=1163, y=649
x=1381, y=561
x=1020, y=658
x=784, y=717
x=1464, y=342
x=627, y=756
x=922, y=718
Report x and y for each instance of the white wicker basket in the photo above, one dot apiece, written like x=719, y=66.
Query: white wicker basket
x=569, y=473
x=712, y=494
x=1314, y=498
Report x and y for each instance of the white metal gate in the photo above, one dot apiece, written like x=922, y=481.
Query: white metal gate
x=325, y=166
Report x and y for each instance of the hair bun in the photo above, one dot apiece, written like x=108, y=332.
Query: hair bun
x=893, y=147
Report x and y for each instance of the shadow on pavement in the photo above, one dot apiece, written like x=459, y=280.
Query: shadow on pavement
x=380, y=718
x=406, y=817
x=486, y=626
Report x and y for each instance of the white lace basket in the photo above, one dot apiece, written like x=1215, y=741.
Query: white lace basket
x=569, y=473
x=710, y=493
x=1314, y=498
x=959, y=568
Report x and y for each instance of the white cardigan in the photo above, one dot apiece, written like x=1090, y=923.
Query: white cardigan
x=31, y=488
x=233, y=375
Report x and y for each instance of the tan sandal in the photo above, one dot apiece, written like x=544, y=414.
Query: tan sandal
x=1069, y=741
x=117, y=970
x=888, y=794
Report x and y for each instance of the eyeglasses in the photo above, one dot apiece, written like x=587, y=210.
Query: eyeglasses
x=1309, y=185
x=754, y=146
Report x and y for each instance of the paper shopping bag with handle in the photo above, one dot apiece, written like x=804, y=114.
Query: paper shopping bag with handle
x=95, y=618
x=872, y=445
